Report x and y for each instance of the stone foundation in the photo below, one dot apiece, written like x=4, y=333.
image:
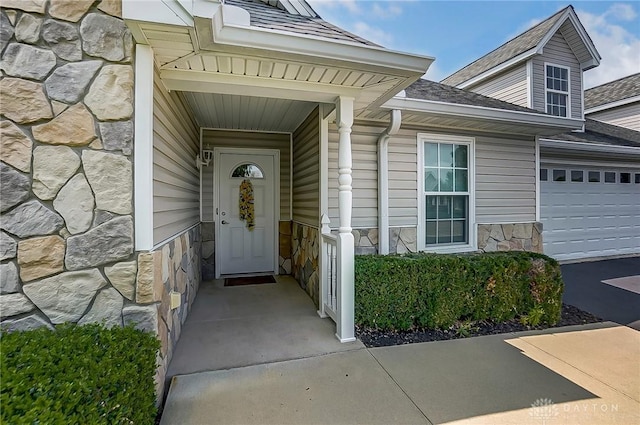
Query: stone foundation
x=510, y=237
x=284, y=246
x=305, y=250
x=401, y=240
x=208, y=251
x=174, y=267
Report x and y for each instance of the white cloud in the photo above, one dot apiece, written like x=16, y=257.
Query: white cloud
x=619, y=48
x=371, y=33
x=388, y=10
x=434, y=73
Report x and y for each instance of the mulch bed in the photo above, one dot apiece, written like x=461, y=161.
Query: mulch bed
x=374, y=338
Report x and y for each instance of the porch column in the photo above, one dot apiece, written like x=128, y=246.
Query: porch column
x=346, y=251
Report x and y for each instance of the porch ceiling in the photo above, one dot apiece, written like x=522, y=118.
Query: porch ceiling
x=233, y=112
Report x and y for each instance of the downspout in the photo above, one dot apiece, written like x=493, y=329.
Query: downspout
x=383, y=180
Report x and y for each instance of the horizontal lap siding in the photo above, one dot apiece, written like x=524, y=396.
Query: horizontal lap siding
x=505, y=180
x=249, y=140
x=510, y=86
x=306, y=171
x=624, y=116
x=557, y=52
x=176, y=190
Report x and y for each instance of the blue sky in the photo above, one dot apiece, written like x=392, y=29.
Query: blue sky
x=458, y=32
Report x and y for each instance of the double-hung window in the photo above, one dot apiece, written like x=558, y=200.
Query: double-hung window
x=557, y=90
x=446, y=192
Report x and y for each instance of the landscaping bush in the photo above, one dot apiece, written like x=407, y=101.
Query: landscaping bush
x=437, y=290
x=78, y=375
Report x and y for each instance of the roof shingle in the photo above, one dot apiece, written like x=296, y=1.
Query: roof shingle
x=266, y=16
x=601, y=133
x=512, y=48
x=612, y=91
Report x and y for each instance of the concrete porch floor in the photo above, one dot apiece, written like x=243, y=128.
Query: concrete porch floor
x=230, y=327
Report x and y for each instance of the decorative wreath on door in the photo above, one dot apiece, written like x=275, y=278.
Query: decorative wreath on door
x=247, y=210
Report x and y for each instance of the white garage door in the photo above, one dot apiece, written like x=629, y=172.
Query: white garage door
x=589, y=212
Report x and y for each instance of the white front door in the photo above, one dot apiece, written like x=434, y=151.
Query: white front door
x=242, y=249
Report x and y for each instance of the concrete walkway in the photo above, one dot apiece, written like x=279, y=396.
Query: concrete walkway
x=577, y=375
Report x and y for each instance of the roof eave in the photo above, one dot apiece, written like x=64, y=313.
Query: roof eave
x=588, y=147
x=610, y=105
x=547, y=124
x=231, y=26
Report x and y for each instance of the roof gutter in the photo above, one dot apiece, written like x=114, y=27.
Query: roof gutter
x=613, y=104
x=484, y=113
x=231, y=26
x=588, y=147
x=383, y=180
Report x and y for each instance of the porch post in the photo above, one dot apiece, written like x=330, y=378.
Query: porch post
x=346, y=251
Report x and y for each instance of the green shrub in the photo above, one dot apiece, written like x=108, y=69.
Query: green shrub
x=435, y=290
x=78, y=375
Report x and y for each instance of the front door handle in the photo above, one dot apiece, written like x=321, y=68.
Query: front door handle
x=225, y=222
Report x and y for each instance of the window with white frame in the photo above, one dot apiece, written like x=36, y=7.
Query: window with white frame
x=446, y=177
x=557, y=90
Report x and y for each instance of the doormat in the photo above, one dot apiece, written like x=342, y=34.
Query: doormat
x=248, y=280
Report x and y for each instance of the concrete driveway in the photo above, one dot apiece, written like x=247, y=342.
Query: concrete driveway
x=610, y=289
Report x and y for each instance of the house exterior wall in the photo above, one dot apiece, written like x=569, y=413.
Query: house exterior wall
x=67, y=239
x=305, y=249
x=250, y=140
x=557, y=52
x=306, y=171
x=624, y=116
x=176, y=180
x=510, y=86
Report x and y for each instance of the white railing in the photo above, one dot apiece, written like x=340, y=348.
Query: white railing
x=330, y=275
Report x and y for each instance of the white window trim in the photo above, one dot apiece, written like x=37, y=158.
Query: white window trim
x=548, y=90
x=421, y=240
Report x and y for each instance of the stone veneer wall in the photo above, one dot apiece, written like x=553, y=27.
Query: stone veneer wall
x=491, y=237
x=208, y=251
x=66, y=139
x=304, y=266
x=510, y=237
x=284, y=247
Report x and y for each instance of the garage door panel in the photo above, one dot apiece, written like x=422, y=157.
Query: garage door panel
x=583, y=219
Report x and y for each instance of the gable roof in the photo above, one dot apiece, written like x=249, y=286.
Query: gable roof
x=618, y=90
x=264, y=14
x=439, y=92
x=600, y=133
x=523, y=46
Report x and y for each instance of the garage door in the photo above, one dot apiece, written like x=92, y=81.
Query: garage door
x=589, y=212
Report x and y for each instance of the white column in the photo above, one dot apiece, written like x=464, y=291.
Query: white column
x=143, y=149
x=346, y=250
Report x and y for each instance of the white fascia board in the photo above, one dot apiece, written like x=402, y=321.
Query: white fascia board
x=570, y=14
x=588, y=147
x=230, y=33
x=611, y=105
x=481, y=112
x=165, y=12
x=205, y=82
x=498, y=68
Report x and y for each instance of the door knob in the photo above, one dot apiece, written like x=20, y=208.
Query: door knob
x=225, y=222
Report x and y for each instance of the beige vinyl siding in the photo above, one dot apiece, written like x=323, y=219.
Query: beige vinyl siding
x=176, y=182
x=624, y=116
x=557, y=52
x=505, y=180
x=250, y=140
x=402, y=177
x=510, y=86
x=306, y=171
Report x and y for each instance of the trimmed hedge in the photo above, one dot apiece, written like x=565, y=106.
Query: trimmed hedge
x=78, y=375
x=437, y=290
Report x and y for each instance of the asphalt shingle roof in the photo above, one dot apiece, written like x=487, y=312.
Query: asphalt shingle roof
x=266, y=16
x=601, y=133
x=512, y=48
x=612, y=91
x=439, y=92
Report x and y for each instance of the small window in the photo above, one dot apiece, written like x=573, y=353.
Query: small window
x=544, y=174
x=557, y=90
x=637, y=178
x=248, y=170
x=559, y=176
x=594, y=176
x=625, y=177
x=609, y=177
x=577, y=176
